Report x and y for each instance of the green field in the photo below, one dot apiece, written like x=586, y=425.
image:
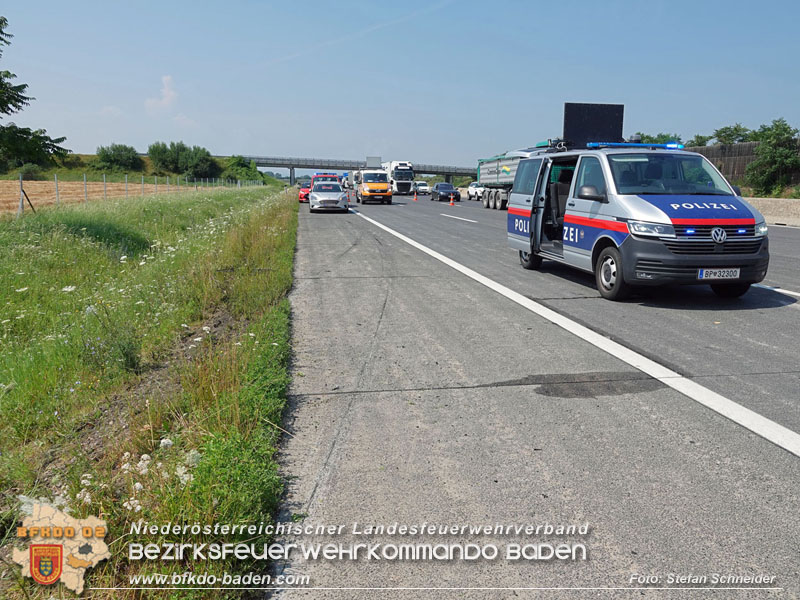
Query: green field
x=143, y=364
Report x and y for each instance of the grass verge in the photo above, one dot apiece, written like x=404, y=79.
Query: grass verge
x=144, y=365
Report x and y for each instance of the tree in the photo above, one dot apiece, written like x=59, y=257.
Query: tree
x=699, y=140
x=21, y=145
x=118, y=156
x=777, y=158
x=660, y=138
x=197, y=162
x=159, y=155
x=239, y=168
x=732, y=134
x=180, y=158
x=12, y=97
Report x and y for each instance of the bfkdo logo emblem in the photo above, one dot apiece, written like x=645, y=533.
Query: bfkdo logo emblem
x=46, y=562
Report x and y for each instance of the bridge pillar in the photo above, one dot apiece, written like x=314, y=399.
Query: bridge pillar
x=448, y=179
x=291, y=176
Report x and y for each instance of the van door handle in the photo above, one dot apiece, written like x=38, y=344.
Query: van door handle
x=570, y=204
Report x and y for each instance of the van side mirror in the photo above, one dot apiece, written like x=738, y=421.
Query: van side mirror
x=737, y=190
x=589, y=192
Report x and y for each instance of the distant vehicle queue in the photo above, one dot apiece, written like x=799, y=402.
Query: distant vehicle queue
x=378, y=183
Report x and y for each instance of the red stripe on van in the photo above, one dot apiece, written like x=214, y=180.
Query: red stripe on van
x=520, y=212
x=599, y=223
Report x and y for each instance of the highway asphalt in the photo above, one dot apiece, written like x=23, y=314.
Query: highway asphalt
x=422, y=395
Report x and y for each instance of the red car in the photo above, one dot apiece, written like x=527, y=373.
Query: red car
x=305, y=188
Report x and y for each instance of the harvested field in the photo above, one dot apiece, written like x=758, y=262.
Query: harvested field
x=43, y=193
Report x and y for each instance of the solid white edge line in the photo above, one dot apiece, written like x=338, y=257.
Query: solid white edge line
x=459, y=218
x=758, y=424
x=776, y=289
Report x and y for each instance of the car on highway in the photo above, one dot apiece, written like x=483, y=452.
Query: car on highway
x=634, y=215
x=474, y=191
x=445, y=191
x=422, y=187
x=305, y=188
x=328, y=196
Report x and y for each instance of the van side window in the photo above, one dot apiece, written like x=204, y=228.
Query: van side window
x=525, y=179
x=590, y=172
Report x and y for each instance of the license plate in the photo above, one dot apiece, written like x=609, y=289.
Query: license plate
x=718, y=274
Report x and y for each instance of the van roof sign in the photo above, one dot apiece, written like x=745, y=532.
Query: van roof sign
x=586, y=122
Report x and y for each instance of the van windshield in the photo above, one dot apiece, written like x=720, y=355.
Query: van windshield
x=666, y=174
x=375, y=177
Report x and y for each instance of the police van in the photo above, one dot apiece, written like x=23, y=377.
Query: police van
x=635, y=214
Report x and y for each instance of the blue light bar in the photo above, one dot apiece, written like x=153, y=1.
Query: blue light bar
x=689, y=231
x=741, y=231
x=670, y=146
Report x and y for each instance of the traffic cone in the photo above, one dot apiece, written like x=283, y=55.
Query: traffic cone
x=451, y=199
x=415, y=195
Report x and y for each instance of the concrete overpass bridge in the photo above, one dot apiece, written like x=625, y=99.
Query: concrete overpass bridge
x=293, y=163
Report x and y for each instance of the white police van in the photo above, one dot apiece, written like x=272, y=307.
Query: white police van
x=636, y=214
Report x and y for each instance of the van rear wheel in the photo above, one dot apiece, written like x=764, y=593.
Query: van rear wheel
x=608, y=275
x=730, y=290
x=529, y=261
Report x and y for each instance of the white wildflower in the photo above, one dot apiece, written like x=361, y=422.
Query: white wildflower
x=86, y=479
x=166, y=443
x=84, y=496
x=183, y=475
x=198, y=339
x=206, y=329
x=68, y=288
x=22, y=289
x=137, y=487
x=193, y=458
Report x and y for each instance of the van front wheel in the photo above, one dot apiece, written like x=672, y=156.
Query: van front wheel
x=608, y=275
x=529, y=261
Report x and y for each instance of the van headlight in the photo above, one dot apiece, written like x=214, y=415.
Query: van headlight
x=761, y=229
x=651, y=229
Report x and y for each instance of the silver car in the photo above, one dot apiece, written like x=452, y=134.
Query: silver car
x=327, y=195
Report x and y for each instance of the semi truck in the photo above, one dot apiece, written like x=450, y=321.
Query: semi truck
x=582, y=123
x=401, y=176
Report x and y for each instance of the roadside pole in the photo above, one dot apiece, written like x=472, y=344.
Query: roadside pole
x=21, y=198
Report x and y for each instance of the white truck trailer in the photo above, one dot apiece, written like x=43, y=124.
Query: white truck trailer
x=401, y=176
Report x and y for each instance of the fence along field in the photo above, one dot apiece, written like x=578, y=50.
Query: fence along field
x=43, y=193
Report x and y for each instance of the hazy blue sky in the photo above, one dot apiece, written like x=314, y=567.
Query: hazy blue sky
x=443, y=82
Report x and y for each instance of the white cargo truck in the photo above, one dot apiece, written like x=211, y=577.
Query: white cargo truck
x=401, y=176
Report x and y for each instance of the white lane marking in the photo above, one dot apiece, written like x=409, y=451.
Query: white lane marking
x=776, y=289
x=751, y=420
x=459, y=218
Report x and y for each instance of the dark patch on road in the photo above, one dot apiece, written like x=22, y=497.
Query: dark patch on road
x=585, y=385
